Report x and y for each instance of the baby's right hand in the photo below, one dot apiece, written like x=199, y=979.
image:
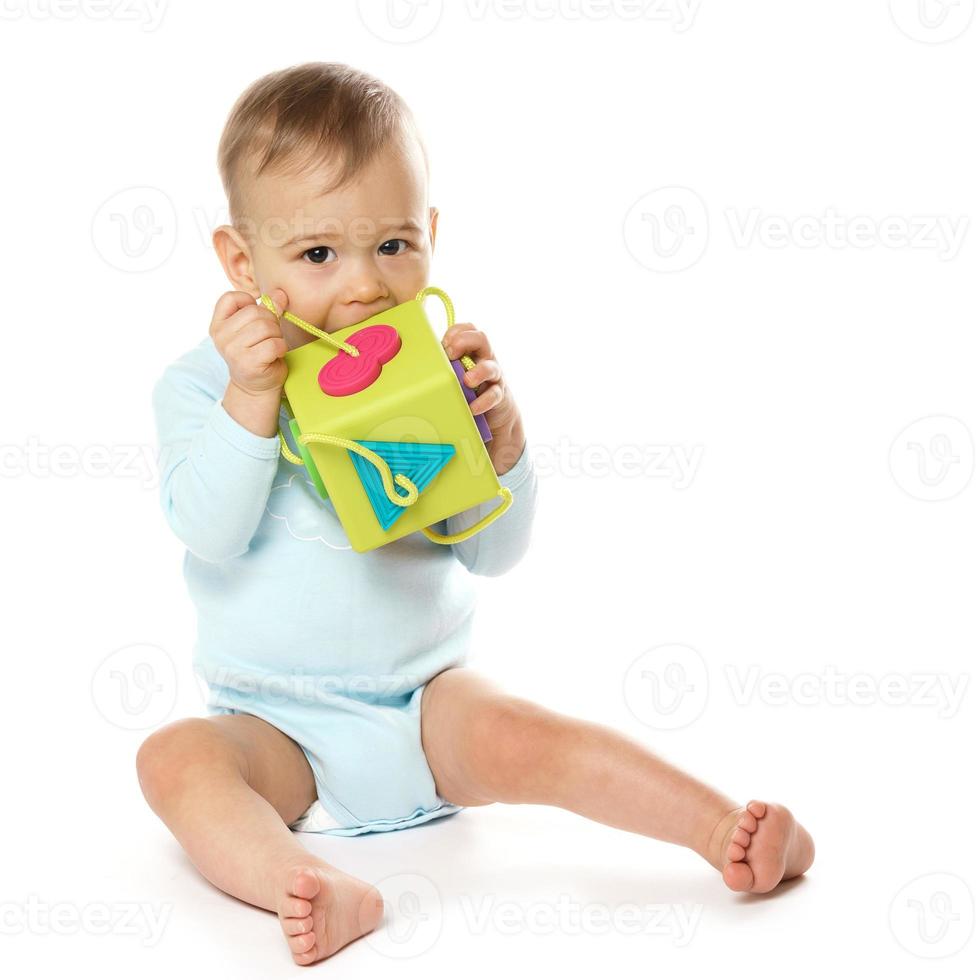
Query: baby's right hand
x=249, y=338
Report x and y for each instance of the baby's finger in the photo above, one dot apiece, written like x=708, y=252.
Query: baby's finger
x=279, y=300
x=230, y=332
x=491, y=396
x=463, y=338
x=486, y=369
x=230, y=303
x=269, y=350
x=257, y=330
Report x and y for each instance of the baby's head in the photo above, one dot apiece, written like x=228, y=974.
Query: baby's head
x=327, y=183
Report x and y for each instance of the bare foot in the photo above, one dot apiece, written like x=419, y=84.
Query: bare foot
x=761, y=845
x=322, y=909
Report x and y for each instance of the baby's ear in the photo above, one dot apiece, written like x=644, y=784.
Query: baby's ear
x=433, y=222
x=233, y=254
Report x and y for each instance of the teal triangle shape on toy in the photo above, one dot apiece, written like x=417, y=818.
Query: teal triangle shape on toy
x=419, y=461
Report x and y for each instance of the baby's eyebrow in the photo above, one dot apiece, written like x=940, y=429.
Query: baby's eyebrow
x=332, y=236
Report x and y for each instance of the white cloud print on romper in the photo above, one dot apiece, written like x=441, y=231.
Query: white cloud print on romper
x=307, y=517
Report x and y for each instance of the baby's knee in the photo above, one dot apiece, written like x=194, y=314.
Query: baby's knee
x=183, y=750
x=513, y=740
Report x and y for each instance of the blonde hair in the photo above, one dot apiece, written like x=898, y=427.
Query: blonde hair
x=299, y=117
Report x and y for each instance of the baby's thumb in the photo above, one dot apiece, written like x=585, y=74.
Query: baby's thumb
x=279, y=299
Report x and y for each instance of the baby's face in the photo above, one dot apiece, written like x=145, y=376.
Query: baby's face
x=344, y=256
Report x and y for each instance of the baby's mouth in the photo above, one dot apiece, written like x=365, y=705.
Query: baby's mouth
x=359, y=316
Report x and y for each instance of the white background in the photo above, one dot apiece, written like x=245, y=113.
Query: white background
x=814, y=570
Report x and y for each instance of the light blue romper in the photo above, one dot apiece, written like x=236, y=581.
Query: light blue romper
x=330, y=646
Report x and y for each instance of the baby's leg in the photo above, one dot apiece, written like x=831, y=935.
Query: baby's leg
x=484, y=745
x=227, y=786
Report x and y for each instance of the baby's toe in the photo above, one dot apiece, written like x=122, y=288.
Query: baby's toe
x=738, y=876
x=296, y=927
x=748, y=823
x=295, y=908
x=304, y=943
x=741, y=837
x=305, y=883
x=757, y=809
x=735, y=852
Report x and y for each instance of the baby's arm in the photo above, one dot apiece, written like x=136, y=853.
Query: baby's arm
x=219, y=446
x=499, y=547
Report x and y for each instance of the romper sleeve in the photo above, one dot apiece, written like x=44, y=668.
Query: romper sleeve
x=499, y=547
x=215, y=475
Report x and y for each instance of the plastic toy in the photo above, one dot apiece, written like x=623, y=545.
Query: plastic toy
x=380, y=404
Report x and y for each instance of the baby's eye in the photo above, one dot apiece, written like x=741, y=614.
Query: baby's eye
x=394, y=241
x=316, y=254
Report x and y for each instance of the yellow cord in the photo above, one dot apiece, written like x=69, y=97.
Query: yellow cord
x=288, y=453
x=309, y=328
x=476, y=528
x=383, y=468
x=466, y=360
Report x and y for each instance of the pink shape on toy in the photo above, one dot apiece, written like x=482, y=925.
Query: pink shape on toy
x=346, y=375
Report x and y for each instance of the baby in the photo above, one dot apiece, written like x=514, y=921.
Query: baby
x=338, y=700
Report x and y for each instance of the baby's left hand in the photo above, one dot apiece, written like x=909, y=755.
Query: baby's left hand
x=494, y=398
